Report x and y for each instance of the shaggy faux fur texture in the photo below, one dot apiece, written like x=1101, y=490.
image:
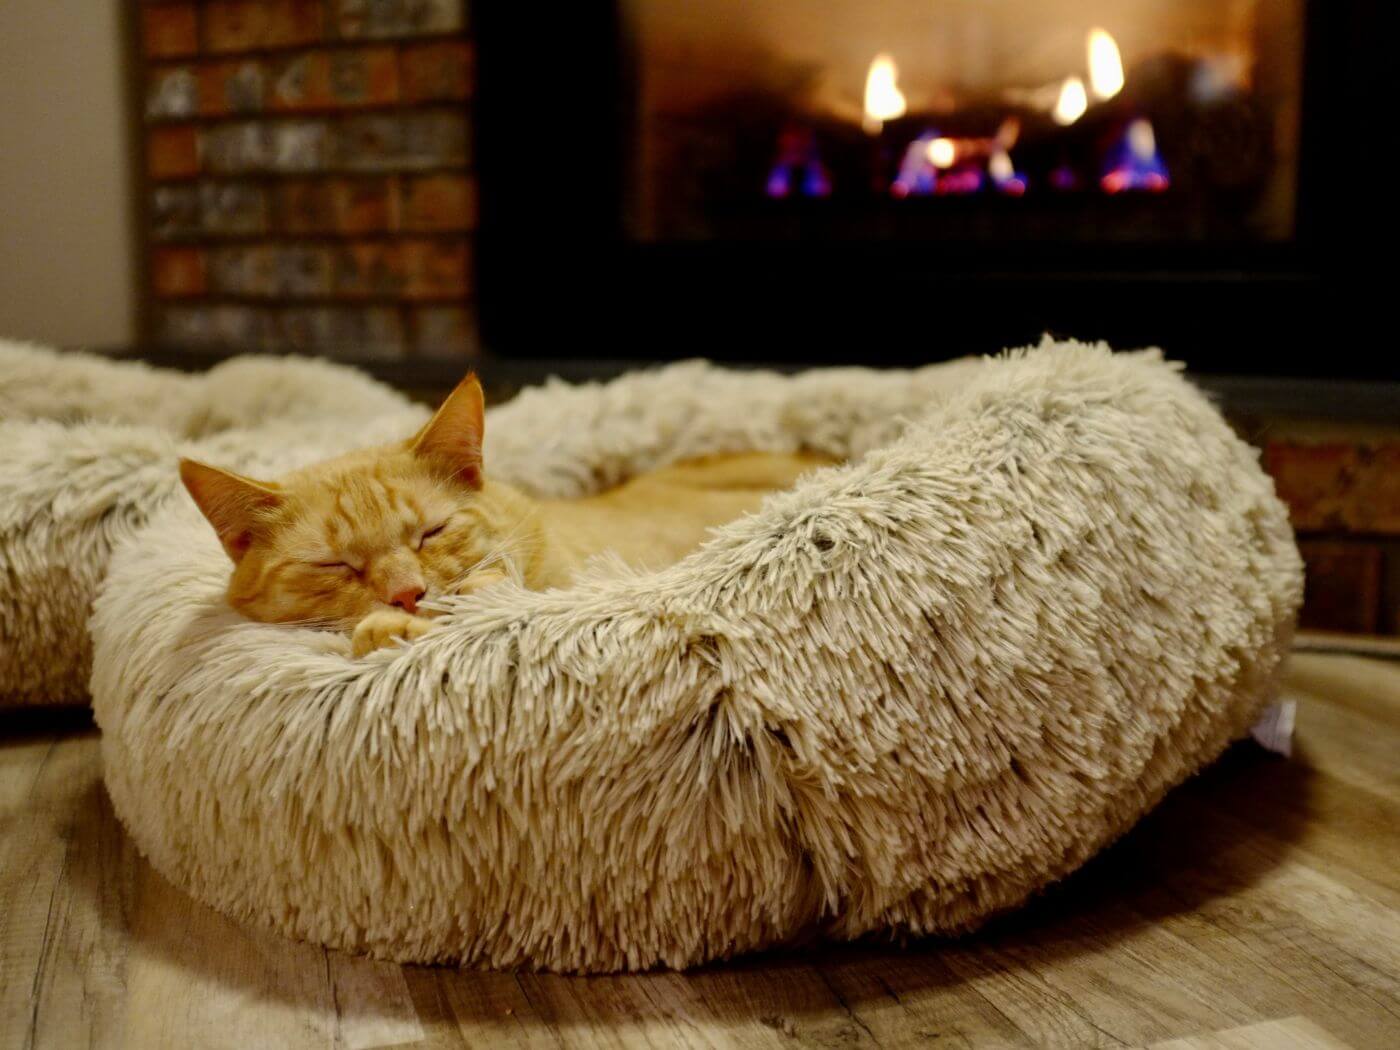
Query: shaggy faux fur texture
x=901, y=698
x=90, y=449
x=69, y=386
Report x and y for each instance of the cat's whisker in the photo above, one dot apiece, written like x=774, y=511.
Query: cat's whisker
x=505, y=541
x=338, y=623
x=455, y=585
x=501, y=554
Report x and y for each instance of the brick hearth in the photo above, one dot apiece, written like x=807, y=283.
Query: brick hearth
x=1343, y=493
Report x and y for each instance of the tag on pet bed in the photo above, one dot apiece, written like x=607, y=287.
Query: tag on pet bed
x=1274, y=730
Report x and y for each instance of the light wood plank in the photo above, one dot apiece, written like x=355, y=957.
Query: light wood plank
x=204, y=981
x=493, y=1009
x=88, y=942
x=1290, y=1033
x=64, y=904
x=915, y=998
x=372, y=1003
x=426, y=989
x=30, y=866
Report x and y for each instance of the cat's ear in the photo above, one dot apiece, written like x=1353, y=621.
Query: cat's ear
x=236, y=506
x=452, y=437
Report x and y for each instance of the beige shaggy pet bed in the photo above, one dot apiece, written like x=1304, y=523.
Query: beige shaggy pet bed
x=902, y=697
x=90, y=449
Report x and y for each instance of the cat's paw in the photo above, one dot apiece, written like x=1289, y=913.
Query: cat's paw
x=383, y=628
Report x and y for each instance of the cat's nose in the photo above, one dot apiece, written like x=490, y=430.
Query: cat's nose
x=408, y=599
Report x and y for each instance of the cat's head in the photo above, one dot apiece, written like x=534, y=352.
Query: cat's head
x=377, y=528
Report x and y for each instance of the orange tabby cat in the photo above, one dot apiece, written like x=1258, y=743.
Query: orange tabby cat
x=357, y=542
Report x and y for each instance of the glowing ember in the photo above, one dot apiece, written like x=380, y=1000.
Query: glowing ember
x=1064, y=177
x=965, y=179
x=942, y=152
x=883, y=99
x=917, y=176
x=1105, y=64
x=1072, y=103
x=1004, y=175
x=798, y=168
x=1134, y=163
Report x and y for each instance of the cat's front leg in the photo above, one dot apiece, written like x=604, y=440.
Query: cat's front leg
x=383, y=627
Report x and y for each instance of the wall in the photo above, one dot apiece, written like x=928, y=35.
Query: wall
x=1342, y=487
x=66, y=227
x=309, y=176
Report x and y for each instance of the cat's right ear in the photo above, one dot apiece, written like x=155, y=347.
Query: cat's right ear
x=452, y=437
x=236, y=506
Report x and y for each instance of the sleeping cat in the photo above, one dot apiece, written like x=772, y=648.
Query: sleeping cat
x=358, y=542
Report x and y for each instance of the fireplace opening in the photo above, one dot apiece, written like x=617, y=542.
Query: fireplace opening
x=1072, y=120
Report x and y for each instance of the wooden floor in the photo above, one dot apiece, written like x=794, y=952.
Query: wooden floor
x=1258, y=907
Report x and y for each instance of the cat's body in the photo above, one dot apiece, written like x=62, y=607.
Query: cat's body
x=358, y=541
x=657, y=518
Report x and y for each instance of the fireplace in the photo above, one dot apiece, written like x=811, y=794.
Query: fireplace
x=1036, y=116
x=790, y=181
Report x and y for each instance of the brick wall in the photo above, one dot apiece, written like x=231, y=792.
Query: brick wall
x=308, y=175
x=1343, y=493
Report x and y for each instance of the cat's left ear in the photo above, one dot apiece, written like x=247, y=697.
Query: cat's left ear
x=452, y=438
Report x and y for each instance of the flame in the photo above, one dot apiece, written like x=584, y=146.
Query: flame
x=942, y=152
x=1142, y=140
x=883, y=99
x=1105, y=64
x=1135, y=162
x=1008, y=132
x=917, y=176
x=1004, y=175
x=798, y=168
x=1072, y=103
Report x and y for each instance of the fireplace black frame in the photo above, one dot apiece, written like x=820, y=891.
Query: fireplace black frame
x=557, y=277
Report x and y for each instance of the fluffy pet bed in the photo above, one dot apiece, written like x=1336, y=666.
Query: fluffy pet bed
x=902, y=697
x=90, y=447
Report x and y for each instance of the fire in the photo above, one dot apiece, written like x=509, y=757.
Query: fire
x=883, y=99
x=942, y=152
x=1004, y=175
x=798, y=169
x=1142, y=140
x=1135, y=163
x=1105, y=64
x=1072, y=103
x=917, y=176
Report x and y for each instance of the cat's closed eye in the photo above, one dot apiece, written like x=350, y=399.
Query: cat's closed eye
x=335, y=565
x=428, y=534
